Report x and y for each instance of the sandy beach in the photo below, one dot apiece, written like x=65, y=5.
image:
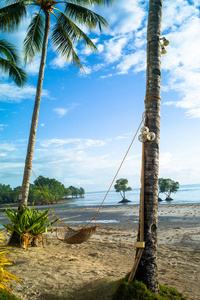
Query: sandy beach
x=91, y=270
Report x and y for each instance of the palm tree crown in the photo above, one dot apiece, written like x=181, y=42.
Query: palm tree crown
x=9, y=61
x=65, y=33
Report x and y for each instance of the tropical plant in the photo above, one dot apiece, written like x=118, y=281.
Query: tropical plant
x=29, y=224
x=9, y=62
x=5, y=276
x=147, y=269
x=168, y=186
x=65, y=36
x=121, y=187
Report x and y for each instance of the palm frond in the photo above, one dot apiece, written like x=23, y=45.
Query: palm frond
x=11, y=16
x=34, y=37
x=85, y=16
x=64, y=37
x=94, y=2
x=13, y=71
x=9, y=51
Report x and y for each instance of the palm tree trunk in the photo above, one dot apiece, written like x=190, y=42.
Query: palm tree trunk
x=15, y=238
x=147, y=269
x=33, y=130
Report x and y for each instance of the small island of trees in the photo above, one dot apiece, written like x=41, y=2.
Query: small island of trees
x=121, y=187
x=53, y=189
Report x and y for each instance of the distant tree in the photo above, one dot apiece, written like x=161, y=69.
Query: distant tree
x=168, y=186
x=121, y=187
x=74, y=191
x=81, y=192
x=5, y=193
x=54, y=188
x=15, y=193
x=68, y=192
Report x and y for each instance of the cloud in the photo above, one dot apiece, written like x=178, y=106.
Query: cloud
x=136, y=60
x=113, y=48
x=58, y=62
x=12, y=93
x=2, y=126
x=63, y=111
x=33, y=68
x=76, y=143
x=182, y=62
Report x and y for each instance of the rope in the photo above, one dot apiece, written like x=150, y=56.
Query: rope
x=143, y=117
x=151, y=96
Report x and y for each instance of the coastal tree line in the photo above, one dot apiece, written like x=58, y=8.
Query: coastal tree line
x=52, y=190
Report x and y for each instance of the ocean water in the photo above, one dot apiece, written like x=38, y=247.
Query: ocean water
x=187, y=194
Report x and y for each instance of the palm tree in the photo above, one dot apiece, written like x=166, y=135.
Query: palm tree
x=65, y=36
x=147, y=269
x=9, y=63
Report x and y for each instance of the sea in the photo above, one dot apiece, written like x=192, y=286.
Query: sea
x=187, y=194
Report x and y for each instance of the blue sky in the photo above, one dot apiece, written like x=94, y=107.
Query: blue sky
x=87, y=120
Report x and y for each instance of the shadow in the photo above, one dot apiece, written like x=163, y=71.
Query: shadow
x=100, y=289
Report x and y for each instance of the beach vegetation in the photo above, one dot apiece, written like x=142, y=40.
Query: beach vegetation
x=168, y=186
x=9, y=63
x=29, y=224
x=138, y=291
x=121, y=186
x=6, y=277
x=42, y=191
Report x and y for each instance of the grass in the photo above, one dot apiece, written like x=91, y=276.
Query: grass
x=7, y=296
x=138, y=291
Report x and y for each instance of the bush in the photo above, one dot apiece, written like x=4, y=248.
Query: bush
x=30, y=224
x=138, y=291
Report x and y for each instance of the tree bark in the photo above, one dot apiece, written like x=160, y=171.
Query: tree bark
x=147, y=269
x=15, y=238
x=34, y=123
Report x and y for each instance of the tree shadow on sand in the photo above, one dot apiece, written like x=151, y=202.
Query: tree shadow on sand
x=100, y=289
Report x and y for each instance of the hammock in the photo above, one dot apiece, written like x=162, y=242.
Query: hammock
x=67, y=234
x=71, y=236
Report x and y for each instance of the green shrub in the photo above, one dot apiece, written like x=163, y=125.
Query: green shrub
x=138, y=291
x=30, y=224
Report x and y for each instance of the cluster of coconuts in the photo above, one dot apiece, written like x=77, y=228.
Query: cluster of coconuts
x=146, y=135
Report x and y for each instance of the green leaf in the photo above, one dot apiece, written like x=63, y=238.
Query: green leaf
x=11, y=16
x=85, y=16
x=34, y=37
x=18, y=75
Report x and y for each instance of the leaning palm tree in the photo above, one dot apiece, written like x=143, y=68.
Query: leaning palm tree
x=9, y=63
x=147, y=269
x=65, y=36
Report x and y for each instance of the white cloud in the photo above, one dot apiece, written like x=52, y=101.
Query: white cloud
x=85, y=71
x=2, y=126
x=76, y=143
x=114, y=48
x=61, y=111
x=33, y=68
x=58, y=62
x=12, y=93
x=136, y=60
